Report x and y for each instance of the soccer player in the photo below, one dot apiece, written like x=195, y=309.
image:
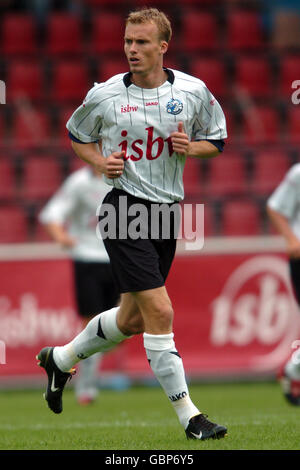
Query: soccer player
x=70, y=219
x=148, y=121
x=284, y=212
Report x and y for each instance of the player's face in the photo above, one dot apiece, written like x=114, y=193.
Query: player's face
x=143, y=48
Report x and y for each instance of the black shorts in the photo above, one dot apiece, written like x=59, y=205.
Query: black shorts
x=95, y=288
x=138, y=263
x=295, y=277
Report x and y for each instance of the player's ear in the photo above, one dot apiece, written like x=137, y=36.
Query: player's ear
x=164, y=47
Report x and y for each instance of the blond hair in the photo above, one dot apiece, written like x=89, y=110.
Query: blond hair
x=152, y=15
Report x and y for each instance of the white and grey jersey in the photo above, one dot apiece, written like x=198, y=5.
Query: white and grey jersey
x=139, y=121
x=75, y=205
x=286, y=198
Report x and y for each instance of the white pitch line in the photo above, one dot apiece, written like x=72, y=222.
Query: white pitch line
x=77, y=425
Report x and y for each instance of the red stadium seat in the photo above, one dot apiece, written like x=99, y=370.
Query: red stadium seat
x=25, y=79
x=289, y=72
x=240, y=218
x=209, y=70
x=41, y=177
x=199, y=31
x=226, y=176
x=270, y=166
x=76, y=163
x=231, y=126
x=110, y=67
x=244, y=30
x=254, y=76
x=61, y=134
x=209, y=221
x=71, y=81
x=104, y=3
x=40, y=234
x=192, y=178
x=261, y=125
x=107, y=33
x=293, y=125
x=188, y=219
x=7, y=180
x=3, y=133
x=64, y=34
x=18, y=35
x=31, y=128
x=209, y=3
x=13, y=225
x=171, y=61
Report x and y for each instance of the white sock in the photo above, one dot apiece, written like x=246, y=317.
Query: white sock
x=292, y=367
x=101, y=334
x=168, y=368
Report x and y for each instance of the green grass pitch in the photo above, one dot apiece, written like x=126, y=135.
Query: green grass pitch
x=257, y=416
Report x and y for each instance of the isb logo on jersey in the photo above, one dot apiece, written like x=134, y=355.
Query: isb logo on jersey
x=174, y=106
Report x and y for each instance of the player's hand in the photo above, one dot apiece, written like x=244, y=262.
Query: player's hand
x=66, y=241
x=293, y=249
x=180, y=140
x=114, y=165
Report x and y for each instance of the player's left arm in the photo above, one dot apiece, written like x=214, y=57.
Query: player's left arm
x=183, y=146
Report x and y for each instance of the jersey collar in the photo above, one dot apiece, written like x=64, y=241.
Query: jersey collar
x=127, y=77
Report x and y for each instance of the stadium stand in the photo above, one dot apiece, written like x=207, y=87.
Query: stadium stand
x=7, y=180
x=247, y=71
x=13, y=224
x=41, y=177
x=240, y=218
x=31, y=127
x=25, y=79
x=293, y=125
x=261, y=125
x=244, y=30
x=18, y=35
x=70, y=81
x=192, y=178
x=227, y=176
x=107, y=33
x=48, y=69
x=269, y=168
x=210, y=69
x=199, y=31
x=289, y=72
x=64, y=35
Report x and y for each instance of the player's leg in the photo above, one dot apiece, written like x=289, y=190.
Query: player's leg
x=95, y=291
x=101, y=334
x=89, y=280
x=167, y=365
x=289, y=375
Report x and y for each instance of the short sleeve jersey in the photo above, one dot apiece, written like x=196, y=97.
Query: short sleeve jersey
x=75, y=204
x=139, y=121
x=286, y=198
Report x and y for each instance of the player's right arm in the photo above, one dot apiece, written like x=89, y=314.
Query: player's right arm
x=85, y=128
x=282, y=225
x=60, y=235
x=282, y=208
x=111, y=166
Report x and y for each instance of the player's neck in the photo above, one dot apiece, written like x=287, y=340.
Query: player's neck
x=150, y=80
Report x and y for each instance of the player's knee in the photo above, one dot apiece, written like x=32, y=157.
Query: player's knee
x=136, y=324
x=162, y=317
x=131, y=323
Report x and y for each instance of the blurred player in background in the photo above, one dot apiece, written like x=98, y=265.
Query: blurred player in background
x=148, y=121
x=70, y=219
x=283, y=208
